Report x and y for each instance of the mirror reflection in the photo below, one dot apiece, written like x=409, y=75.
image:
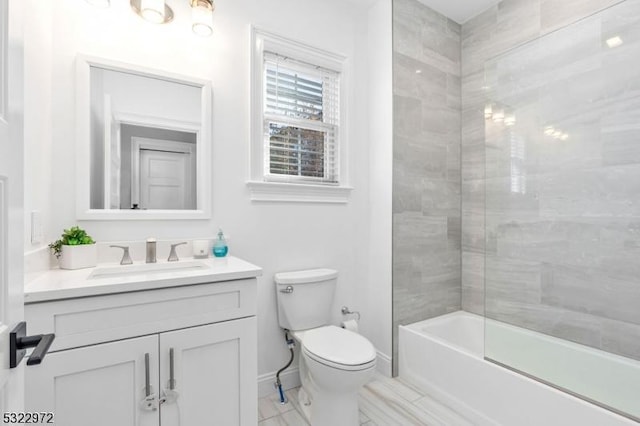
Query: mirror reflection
x=144, y=139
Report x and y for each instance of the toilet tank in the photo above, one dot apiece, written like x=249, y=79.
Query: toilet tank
x=305, y=298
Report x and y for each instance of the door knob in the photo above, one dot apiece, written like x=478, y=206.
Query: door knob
x=19, y=342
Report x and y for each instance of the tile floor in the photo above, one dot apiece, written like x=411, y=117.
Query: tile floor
x=384, y=401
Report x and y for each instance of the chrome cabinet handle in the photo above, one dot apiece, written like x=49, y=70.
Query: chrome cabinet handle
x=150, y=400
x=173, y=255
x=126, y=258
x=147, y=377
x=172, y=380
x=170, y=395
x=288, y=289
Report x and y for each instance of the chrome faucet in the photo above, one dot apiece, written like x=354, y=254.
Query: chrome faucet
x=151, y=250
x=126, y=258
x=173, y=255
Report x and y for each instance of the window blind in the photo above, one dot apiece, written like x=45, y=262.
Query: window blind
x=301, y=121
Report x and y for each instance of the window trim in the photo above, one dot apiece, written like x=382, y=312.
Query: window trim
x=282, y=190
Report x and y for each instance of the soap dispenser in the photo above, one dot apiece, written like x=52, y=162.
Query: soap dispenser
x=220, y=248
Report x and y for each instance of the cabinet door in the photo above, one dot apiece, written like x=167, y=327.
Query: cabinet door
x=101, y=385
x=215, y=372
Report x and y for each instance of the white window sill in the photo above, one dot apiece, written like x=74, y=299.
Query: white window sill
x=298, y=192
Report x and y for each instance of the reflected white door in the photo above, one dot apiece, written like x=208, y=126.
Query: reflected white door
x=11, y=199
x=164, y=180
x=163, y=174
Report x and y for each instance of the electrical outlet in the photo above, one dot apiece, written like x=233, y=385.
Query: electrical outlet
x=36, y=227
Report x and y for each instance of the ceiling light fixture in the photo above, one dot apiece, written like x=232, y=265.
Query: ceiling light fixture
x=202, y=17
x=158, y=12
x=155, y=11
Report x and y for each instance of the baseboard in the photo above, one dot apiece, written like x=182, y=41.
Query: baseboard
x=289, y=378
x=383, y=364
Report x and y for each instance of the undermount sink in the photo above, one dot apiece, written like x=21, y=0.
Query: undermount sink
x=144, y=269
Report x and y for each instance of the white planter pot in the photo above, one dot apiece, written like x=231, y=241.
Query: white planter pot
x=78, y=257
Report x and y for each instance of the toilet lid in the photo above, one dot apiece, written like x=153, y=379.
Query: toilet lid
x=338, y=346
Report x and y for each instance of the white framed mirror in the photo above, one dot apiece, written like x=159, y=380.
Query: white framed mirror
x=143, y=143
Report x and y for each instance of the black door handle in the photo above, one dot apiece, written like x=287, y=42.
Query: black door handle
x=20, y=342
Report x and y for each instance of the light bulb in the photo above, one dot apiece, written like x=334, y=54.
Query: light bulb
x=202, y=17
x=152, y=10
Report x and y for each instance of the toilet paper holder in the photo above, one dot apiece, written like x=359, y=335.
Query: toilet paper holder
x=346, y=311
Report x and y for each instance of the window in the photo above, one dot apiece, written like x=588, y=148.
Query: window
x=297, y=146
x=301, y=119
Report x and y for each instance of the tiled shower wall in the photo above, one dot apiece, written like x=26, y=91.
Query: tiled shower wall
x=561, y=257
x=439, y=100
x=426, y=165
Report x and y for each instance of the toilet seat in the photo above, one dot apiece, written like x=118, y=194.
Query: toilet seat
x=338, y=348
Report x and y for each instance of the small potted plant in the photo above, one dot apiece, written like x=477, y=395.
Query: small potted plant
x=75, y=250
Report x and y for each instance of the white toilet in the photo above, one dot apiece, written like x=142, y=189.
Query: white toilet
x=334, y=362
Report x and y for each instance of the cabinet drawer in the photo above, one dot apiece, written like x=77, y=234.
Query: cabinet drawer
x=91, y=320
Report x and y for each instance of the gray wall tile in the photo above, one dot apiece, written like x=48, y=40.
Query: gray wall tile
x=426, y=161
x=555, y=14
x=562, y=255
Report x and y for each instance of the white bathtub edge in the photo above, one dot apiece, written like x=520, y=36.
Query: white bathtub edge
x=492, y=395
x=465, y=410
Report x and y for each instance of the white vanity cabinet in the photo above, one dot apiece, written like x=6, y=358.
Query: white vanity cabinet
x=214, y=367
x=199, y=340
x=99, y=385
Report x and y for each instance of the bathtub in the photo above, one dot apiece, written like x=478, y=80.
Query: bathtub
x=444, y=357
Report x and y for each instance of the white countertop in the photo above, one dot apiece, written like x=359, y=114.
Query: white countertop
x=59, y=284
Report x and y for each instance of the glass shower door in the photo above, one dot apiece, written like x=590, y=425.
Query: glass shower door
x=562, y=264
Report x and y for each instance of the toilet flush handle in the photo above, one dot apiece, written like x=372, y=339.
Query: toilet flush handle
x=287, y=289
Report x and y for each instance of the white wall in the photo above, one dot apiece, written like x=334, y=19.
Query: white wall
x=37, y=123
x=380, y=121
x=276, y=236
x=149, y=97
